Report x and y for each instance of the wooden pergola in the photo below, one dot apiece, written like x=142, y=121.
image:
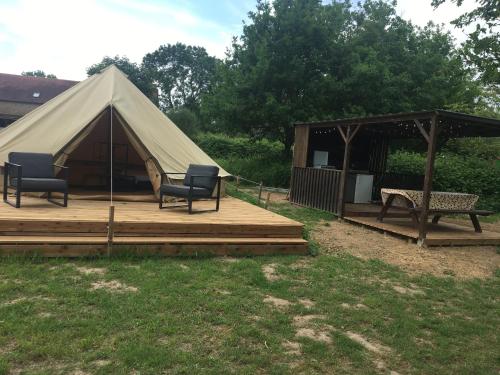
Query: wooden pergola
x=376, y=132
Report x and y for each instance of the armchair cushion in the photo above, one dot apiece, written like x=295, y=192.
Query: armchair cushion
x=183, y=191
x=34, y=165
x=208, y=182
x=41, y=184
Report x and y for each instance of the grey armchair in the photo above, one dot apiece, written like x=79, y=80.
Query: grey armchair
x=33, y=172
x=199, y=183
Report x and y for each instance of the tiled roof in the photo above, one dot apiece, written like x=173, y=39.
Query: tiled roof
x=35, y=90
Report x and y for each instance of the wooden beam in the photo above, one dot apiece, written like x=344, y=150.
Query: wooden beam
x=422, y=130
x=301, y=146
x=341, y=131
x=429, y=172
x=345, y=173
x=354, y=132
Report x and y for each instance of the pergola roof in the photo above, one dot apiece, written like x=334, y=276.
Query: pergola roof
x=403, y=125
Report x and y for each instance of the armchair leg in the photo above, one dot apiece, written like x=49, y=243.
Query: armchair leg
x=5, y=184
x=161, y=201
x=190, y=205
x=65, y=199
x=18, y=197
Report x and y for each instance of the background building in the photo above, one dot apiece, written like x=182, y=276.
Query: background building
x=21, y=94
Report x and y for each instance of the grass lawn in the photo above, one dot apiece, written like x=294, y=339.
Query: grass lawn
x=273, y=315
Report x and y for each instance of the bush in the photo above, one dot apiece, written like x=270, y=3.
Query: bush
x=274, y=173
x=456, y=173
x=225, y=147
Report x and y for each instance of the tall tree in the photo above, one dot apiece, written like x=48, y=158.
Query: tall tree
x=182, y=73
x=301, y=60
x=135, y=73
x=482, y=48
x=38, y=73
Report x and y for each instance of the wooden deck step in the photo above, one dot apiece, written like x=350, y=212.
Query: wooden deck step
x=132, y=228
x=73, y=246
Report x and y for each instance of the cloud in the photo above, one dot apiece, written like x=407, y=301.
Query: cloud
x=65, y=37
x=420, y=12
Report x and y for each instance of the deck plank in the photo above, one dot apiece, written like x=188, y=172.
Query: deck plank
x=80, y=229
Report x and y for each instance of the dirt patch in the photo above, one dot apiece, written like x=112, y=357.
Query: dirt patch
x=304, y=320
x=229, y=260
x=101, y=362
x=113, y=286
x=291, y=347
x=307, y=303
x=371, y=346
x=91, y=271
x=358, y=306
x=279, y=303
x=461, y=262
x=302, y=263
x=410, y=291
x=315, y=335
x=269, y=271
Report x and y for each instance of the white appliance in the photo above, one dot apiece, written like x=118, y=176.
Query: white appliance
x=320, y=158
x=359, y=188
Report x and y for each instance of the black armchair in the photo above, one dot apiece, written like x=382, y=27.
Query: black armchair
x=33, y=172
x=199, y=183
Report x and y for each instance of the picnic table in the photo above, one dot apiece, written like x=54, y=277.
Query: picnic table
x=441, y=203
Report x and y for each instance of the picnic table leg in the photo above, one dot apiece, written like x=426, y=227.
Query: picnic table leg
x=414, y=218
x=386, y=207
x=435, y=219
x=475, y=222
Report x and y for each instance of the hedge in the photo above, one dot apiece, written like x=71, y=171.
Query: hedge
x=457, y=173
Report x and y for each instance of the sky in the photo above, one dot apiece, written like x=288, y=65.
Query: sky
x=64, y=37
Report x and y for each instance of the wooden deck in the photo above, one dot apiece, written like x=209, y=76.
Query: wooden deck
x=442, y=234
x=81, y=229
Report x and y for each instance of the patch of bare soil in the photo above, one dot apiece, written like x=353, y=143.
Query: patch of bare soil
x=113, y=286
x=304, y=320
x=411, y=291
x=277, y=302
x=313, y=334
x=291, y=347
x=357, y=306
x=368, y=345
x=306, y=302
x=462, y=262
x=269, y=271
x=91, y=271
x=301, y=263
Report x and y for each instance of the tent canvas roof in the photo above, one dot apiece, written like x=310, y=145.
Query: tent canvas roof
x=52, y=126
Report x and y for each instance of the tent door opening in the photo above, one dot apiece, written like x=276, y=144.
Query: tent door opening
x=91, y=164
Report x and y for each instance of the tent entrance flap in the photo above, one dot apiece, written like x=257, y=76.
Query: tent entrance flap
x=93, y=159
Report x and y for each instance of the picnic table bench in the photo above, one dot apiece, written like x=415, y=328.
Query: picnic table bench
x=441, y=203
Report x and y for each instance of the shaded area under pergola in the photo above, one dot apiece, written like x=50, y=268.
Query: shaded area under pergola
x=363, y=144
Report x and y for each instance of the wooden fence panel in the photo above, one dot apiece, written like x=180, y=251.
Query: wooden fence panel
x=316, y=188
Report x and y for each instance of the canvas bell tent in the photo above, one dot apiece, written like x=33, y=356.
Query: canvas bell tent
x=108, y=133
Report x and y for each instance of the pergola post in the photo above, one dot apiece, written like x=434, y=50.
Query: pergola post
x=429, y=172
x=348, y=136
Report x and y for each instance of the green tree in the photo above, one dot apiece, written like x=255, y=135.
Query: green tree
x=482, y=48
x=182, y=73
x=135, y=73
x=38, y=73
x=302, y=60
x=186, y=120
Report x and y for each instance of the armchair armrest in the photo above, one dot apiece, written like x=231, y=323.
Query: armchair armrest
x=63, y=168
x=18, y=167
x=167, y=173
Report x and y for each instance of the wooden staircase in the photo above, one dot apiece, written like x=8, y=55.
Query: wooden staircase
x=141, y=229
